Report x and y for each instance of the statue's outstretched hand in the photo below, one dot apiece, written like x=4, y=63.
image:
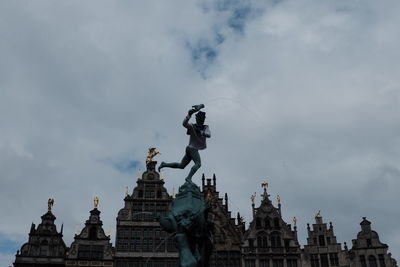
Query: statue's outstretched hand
x=191, y=111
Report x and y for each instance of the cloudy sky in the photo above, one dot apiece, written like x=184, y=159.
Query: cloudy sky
x=303, y=94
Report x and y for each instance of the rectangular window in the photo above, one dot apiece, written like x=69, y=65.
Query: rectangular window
x=264, y=263
x=249, y=263
x=314, y=260
x=362, y=261
x=333, y=257
x=381, y=260
x=321, y=240
x=291, y=262
x=324, y=260
x=277, y=263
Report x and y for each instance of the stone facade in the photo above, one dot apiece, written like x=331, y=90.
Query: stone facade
x=270, y=241
x=368, y=250
x=45, y=246
x=322, y=249
x=140, y=242
x=91, y=247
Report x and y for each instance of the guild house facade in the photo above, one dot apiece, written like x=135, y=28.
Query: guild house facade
x=268, y=241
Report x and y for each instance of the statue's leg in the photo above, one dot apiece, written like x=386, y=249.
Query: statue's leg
x=195, y=156
x=177, y=165
x=185, y=255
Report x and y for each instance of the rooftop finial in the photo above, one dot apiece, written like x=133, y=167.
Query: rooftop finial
x=126, y=191
x=294, y=221
x=253, y=197
x=96, y=202
x=50, y=203
x=318, y=214
x=278, y=198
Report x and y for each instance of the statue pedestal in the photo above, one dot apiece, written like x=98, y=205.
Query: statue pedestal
x=188, y=220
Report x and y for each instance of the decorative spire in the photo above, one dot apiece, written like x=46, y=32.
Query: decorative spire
x=278, y=198
x=203, y=178
x=318, y=214
x=214, y=181
x=226, y=201
x=96, y=202
x=62, y=228
x=294, y=221
x=330, y=226
x=50, y=204
x=109, y=231
x=126, y=192
x=253, y=197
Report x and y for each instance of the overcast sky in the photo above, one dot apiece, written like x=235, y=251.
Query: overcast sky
x=303, y=94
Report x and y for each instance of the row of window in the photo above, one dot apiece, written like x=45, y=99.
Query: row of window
x=267, y=223
x=128, y=233
x=149, y=263
x=263, y=241
x=90, y=252
x=321, y=240
x=322, y=260
x=266, y=263
x=150, y=194
x=147, y=245
x=372, y=261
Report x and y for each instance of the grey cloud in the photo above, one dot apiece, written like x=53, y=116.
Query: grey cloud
x=307, y=98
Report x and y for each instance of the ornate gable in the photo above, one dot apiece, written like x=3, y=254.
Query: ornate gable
x=92, y=244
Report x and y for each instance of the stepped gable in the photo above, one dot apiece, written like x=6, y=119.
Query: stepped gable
x=139, y=237
x=92, y=246
x=269, y=237
x=367, y=248
x=149, y=187
x=227, y=236
x=322, y=248
x=45, y=246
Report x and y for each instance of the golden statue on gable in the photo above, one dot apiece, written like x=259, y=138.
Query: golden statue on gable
x=151, y=155
x=50, y=203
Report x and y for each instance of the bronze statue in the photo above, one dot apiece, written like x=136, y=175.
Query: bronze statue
x=198, y=133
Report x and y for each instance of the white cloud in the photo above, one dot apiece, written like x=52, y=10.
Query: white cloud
x=306, y=98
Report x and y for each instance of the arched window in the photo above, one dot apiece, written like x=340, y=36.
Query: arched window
x=276, y=240
x=262, y=241
x=372, y=261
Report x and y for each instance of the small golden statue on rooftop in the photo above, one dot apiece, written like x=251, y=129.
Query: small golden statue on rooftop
x=318, y=215
x=294, y=221
x=151, y=155
x=96, y=202
x=50, y=203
